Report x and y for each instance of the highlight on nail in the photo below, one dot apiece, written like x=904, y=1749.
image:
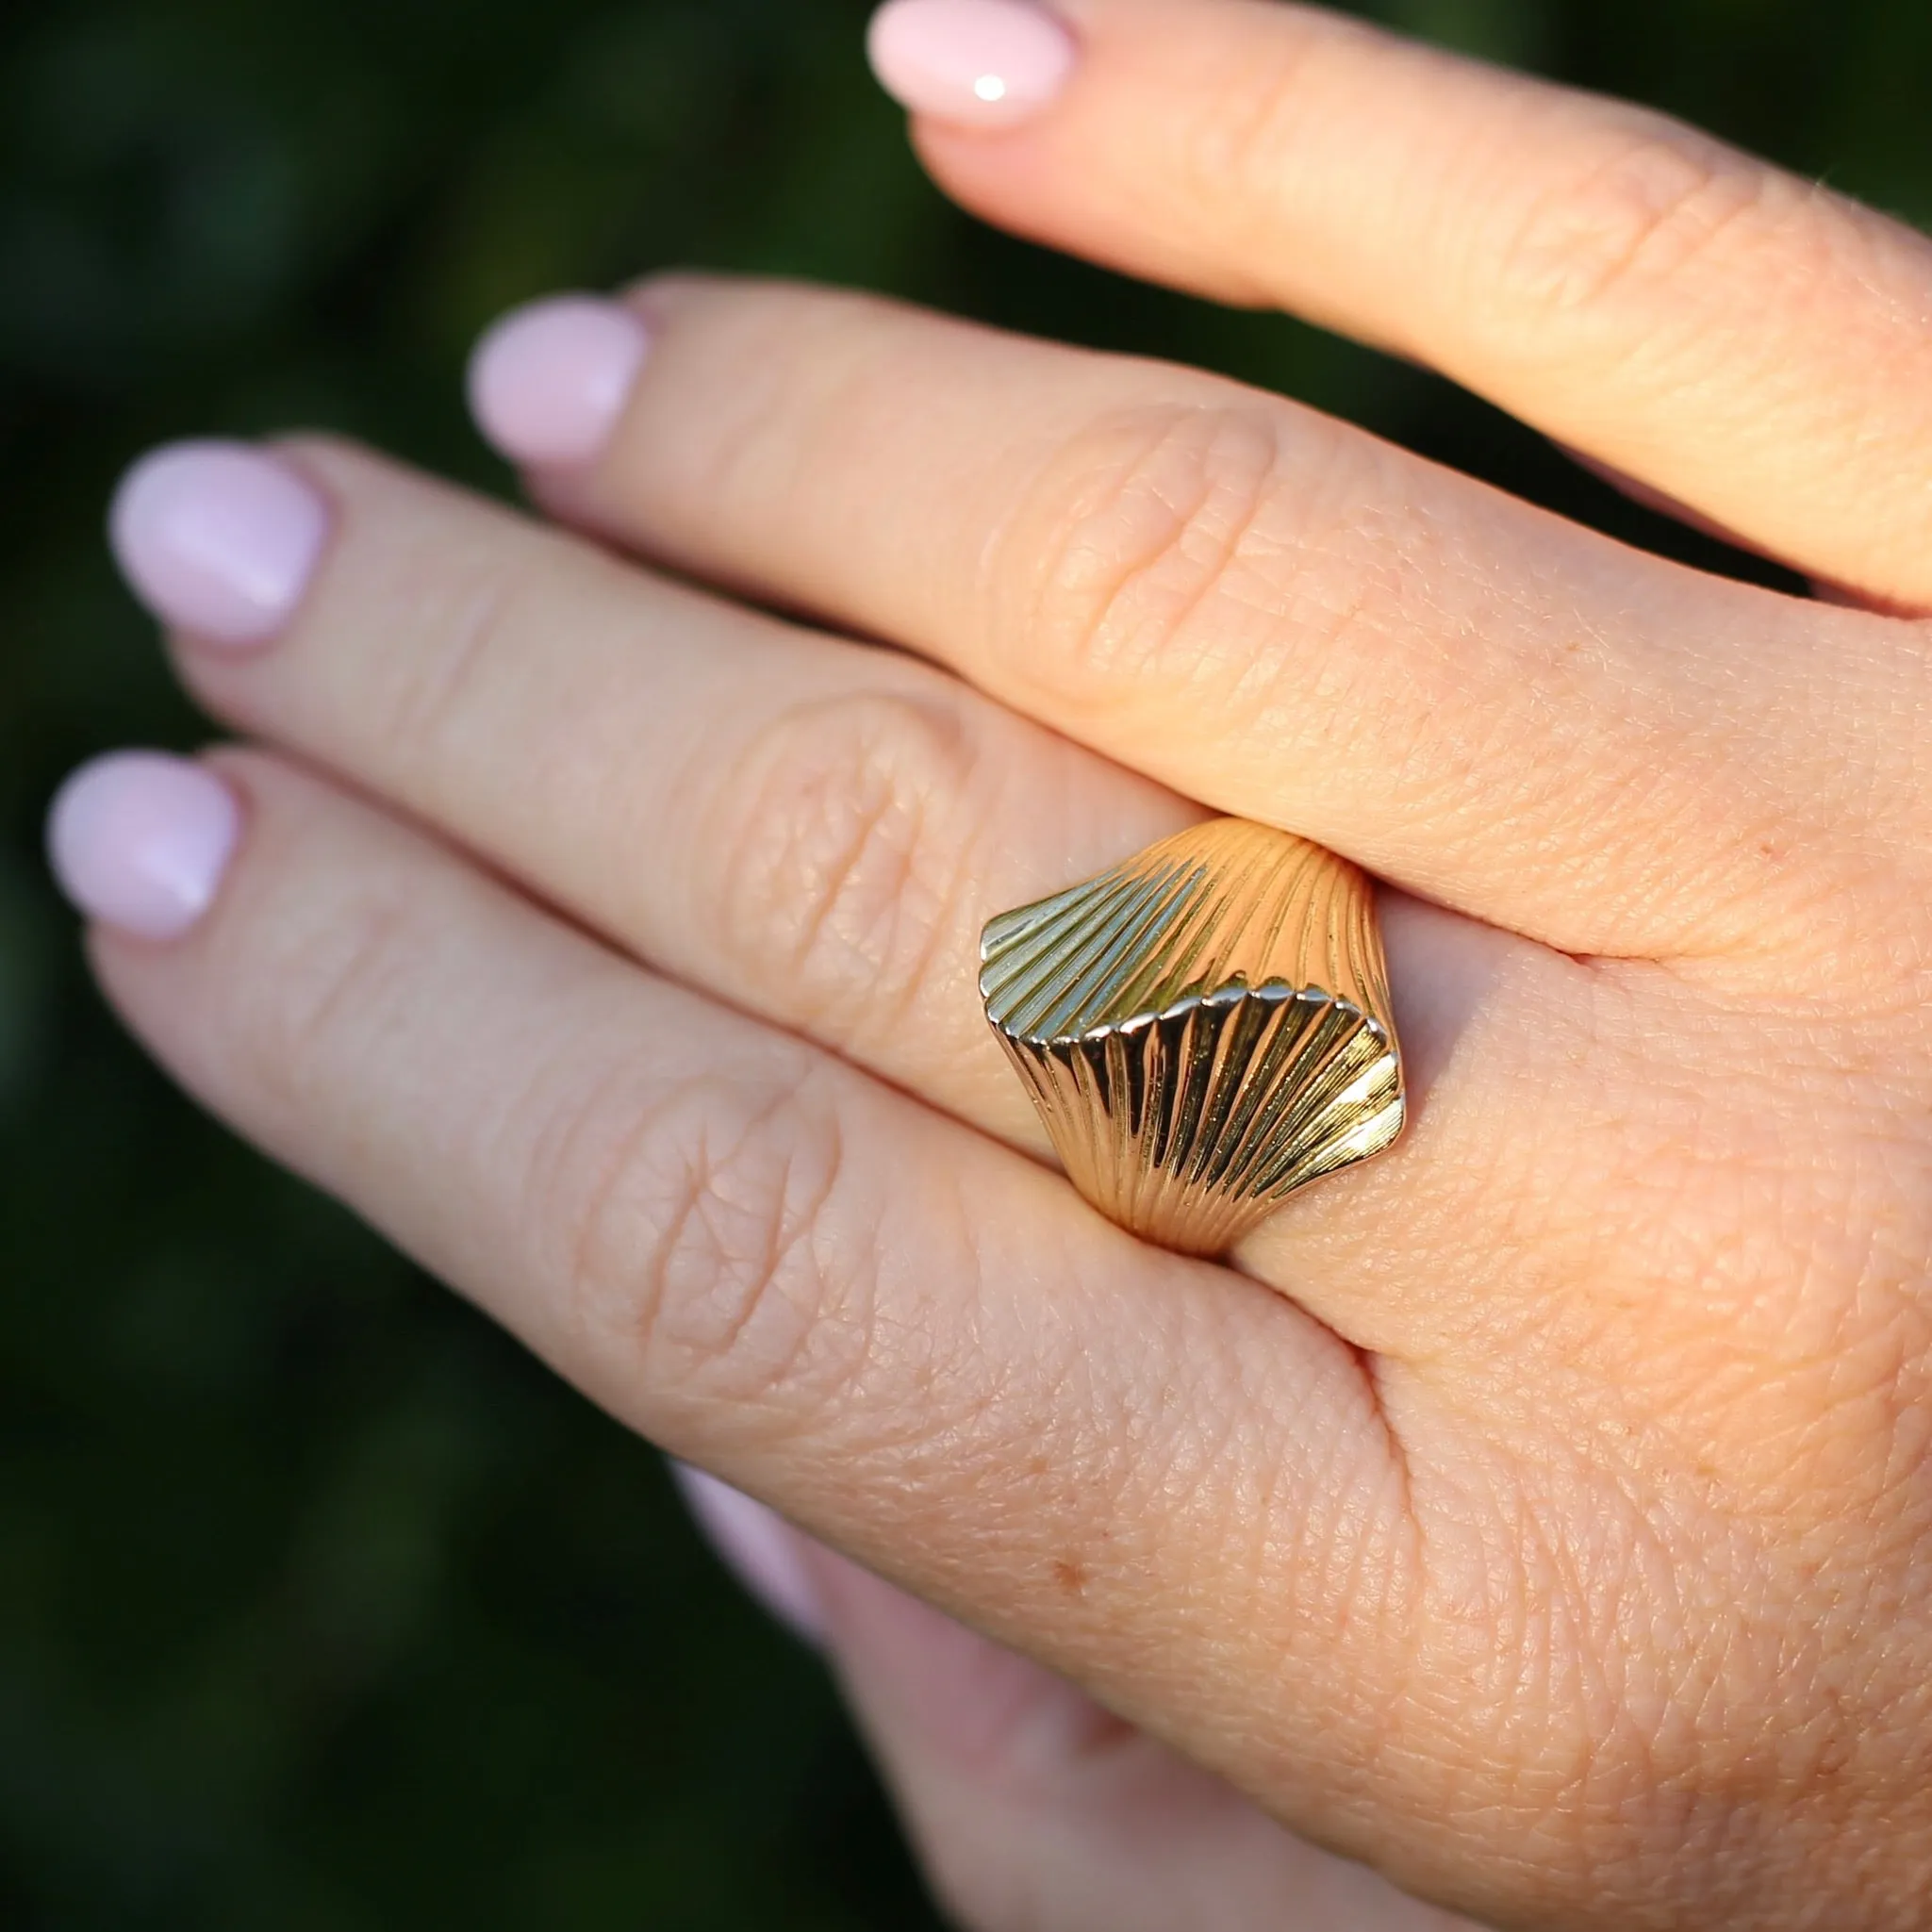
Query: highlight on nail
x=549, y=382
x=979, y=63
x=217, y=539
x=141, y=840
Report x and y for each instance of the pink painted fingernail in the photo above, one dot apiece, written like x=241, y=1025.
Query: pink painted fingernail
x=549, y=382
x=217, y=539
x=139, y=841
x=982, y=63
x=758, y=1546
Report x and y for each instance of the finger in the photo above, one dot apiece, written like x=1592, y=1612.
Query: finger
x=910, y=1339
x=1744, y=341
x=810, y=829
x=1035, y=1809
x=1270, y=612
x=1031, y=1806
x=758, y=1546
x=1648, y=497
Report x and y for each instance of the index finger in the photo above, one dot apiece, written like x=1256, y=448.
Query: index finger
x=1740, y=338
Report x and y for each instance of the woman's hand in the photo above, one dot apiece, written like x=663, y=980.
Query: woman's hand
x=1557, y=1538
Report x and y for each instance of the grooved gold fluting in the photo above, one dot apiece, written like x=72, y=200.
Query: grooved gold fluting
x=1205, y=1028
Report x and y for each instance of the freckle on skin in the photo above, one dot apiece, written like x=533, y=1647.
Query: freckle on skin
x=1070, y=1576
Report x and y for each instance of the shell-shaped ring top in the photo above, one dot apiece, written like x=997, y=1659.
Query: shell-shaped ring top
x=1204, y=1028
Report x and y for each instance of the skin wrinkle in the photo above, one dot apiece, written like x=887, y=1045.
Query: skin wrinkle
x=1773, y=210
x=616, y=1289
x=297, y=1018
x=1312, y=1527
x=1210, y=530
x=1668, y=185
x=700, y=1185
x=1292, y=1647
x=1210, y=527
x=864, y=766
x=1718, y=1622
x=428, y=694
x=1115, y=1464
x=738, y=449
x=910, y=1412
x=1904, y=294
x=1346, y=619
x=1314, y=619
x=1114, y=576
x=1242, y=149
x=1658, y=199
x=1111, y=479
x=547, y=1155
x=783, y=1224
x=1577, y=1589
x=1363, y=1591
x=1542, y=1638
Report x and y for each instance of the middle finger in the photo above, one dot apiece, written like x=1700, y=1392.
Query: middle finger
x=1272, y=611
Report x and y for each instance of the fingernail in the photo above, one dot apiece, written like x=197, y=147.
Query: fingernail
x=758, y=1546
x=982, y=63
x=139, y=841
x=549, y=382
x=217, y=539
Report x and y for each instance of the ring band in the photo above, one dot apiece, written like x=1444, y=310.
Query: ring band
x=1204, y=1028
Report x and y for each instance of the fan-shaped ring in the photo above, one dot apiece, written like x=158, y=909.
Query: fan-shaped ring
x=1204, y=1028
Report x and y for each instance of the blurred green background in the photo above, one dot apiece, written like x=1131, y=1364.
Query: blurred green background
x=321, y=1606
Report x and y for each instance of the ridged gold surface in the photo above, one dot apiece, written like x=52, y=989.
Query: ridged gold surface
x=1205, y=1028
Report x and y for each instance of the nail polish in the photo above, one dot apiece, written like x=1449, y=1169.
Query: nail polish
x=217, y=539
x=140, y=841
x=758, y=1545
x=977, y=63
x=548, y=382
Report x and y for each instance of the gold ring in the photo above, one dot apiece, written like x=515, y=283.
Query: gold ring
x=1204, y=1028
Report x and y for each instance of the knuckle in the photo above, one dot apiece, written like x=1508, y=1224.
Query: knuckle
x=843, y=836
x=1135, y=523
x=1244, y=134
x=304, y=1017
x=1652, y=203
x=462, y=607
x=695, y=1227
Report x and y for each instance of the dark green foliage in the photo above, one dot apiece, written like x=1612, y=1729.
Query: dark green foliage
x=320, y=1605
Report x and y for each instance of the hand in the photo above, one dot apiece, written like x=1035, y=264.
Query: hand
x=1556, y=1539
